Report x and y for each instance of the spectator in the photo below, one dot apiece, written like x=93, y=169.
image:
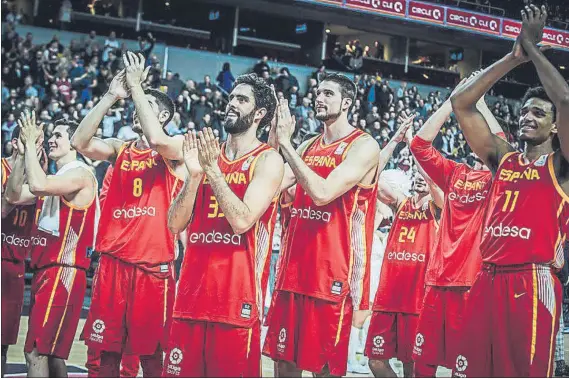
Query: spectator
x=29, y=89
x=109, y=121
x=262, y=66
x=302, y=110
x=199, y=110
x=111, y=44
x=8, y=127
x=285, y=80
x=206, y=87
x=174, y=84
x=225, y=78
x=311, y=124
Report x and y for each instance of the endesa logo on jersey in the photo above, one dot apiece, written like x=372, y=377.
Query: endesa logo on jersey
x=503, y=231
x=134, y=212
x=215, y=237
x=396, y=7
x=14, y=240
x=406, y=256
x=429, y=12
x=467, y=198
x=310, y=214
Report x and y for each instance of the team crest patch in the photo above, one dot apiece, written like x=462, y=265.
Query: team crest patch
x=341, y=148
x=541, y=161
x=246, y=310
x=154, y=153
x=247, y=163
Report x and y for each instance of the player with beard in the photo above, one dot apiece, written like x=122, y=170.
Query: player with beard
x=512, y=314
x=228, y=205
x=131, y=308
x=329, y=235
x=456, y=257
x=16, y=245
x=65, y=228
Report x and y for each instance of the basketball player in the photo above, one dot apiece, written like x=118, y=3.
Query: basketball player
x=512, y=313
x=229, y=206
x=401, y=287
x=131, y=309
x=456, y=257
x=64, y=233
x=16, y=244
x=325, y=275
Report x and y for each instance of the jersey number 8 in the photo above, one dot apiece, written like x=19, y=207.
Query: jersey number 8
x=137, y=187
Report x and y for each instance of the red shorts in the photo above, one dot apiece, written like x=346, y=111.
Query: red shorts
x=211, y=349
x=55, y=307
x=309, y=332
x=438, y=332
x=391, y=335
x=510, y=323
x=131, y=309
x=130, y=365
x=12, y=299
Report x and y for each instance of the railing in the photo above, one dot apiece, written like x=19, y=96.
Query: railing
x=477, y=7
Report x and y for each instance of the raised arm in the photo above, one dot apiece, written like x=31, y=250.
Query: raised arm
x=261, y=191
x=84, y=140
x=168, y=147
x=553, y=82
x=480, y=138
x=405, y=123
x=182, y=209
x=360, y=159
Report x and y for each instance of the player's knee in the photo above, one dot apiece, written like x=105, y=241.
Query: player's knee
x=378, y=365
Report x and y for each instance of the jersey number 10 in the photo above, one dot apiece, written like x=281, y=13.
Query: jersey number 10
x=20, y=217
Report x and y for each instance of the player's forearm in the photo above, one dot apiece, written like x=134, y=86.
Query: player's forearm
x=37, y=179
x=493, y=124
x=234, y=209
x=312, y=183
x=431, y=128
x=182, y=209
x=15, y=181
x=148, y=121
x=88, y=126
x=386, y=153
x=468, y=95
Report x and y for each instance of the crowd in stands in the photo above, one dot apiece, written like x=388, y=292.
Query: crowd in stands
x=67, y=81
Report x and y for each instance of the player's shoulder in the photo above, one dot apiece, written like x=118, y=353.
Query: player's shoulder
x=269, y=157
x=364, y=144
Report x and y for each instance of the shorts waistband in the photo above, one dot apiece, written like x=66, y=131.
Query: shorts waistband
x=37, y=269
x=492, y=268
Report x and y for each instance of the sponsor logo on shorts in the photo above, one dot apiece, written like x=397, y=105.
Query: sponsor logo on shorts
x=461, y=365
x=336, y=288
x=98, y=329
x=310, y=214
x=175, y=358
x=406, y=256
x=14, y=240
x=281, y=346
x=377, y=348
x=502, y=230
x=246, y=310
x=419, y=341
x=215, y=237
x=134, y=212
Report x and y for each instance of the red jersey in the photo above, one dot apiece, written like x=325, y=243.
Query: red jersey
x=328, y=248
x=408, y=248
x=224, y=275
x=528, y=214
x=455, y=259
x=77, y=230
x=135, y=216
x=106, y=184
x=16, y=226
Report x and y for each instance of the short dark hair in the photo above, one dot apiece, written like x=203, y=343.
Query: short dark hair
x=263, y=93
x=164, y=102
x=71, y=125
x=539, y=92
x=347, y=87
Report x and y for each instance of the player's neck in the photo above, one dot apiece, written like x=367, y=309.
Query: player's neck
x=532, y=152
x=237, y=145
x=142, y=143
x=420, y=198
x=337, y=129
x=69, y=157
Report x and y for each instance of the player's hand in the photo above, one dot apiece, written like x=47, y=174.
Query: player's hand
x=273, y=140
x=208, y=150
x=285, y=123
x=404, y=121
x=135, y=71
x=30, y=133
x=190, y=150
x=118, y=87
x=533, y=22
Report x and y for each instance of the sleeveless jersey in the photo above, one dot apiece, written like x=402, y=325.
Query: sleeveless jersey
x=409, y=245
x=134, y=225
x=16, y=226
x=528, y=214
x=224, y=275
x=73, y=246
x=328, y=247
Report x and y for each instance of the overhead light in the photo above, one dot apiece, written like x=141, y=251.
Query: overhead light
x=167, y=4
x=425, y=76
x=328, y=31
x=562, y=67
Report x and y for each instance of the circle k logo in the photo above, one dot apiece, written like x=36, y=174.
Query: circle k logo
x=493, y=25
x=398, y=7
x=473, y=21
x=437, y=14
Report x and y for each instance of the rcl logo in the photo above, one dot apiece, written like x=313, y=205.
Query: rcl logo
x=396, y=6
x=436, y=13
x=474, y=22
x=134, y=212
